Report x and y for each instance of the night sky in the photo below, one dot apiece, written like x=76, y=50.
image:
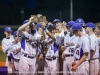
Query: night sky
x=89, y=10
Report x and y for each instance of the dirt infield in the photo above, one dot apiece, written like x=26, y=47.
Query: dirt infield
x=2, y=64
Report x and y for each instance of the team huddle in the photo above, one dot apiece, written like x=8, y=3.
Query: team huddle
x=75, y=43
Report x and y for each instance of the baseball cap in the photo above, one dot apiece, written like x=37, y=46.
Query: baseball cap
x=8, y=29
x=25, y=21
x=90, y=24
x=38, y=25
x=56, y=20
x=15, y=33
x=52, y=26
x=79, y=20
x=76, y=26
x=70, y=23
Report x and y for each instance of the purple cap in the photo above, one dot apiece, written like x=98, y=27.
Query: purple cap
x=52, y=26
x=38, y=25
x=79, y=20
x=25, y=21
x=70, y=23
x=56, y=20
x=15, y=33
x=76, y=26
x=8, y=29
x=90, y=24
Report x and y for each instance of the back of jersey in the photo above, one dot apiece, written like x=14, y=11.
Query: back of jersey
x=94, y=45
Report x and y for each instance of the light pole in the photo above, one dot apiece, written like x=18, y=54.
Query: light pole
x=22, y=12
x=60, y=15
x=71, y=9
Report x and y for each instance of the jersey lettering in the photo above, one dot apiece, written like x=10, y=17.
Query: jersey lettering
x=71, y=50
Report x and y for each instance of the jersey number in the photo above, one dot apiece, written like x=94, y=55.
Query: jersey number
x=77, y=52
x=71, y=50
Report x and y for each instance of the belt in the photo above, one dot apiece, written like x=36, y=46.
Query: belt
x=26, y=55
x=51, y=59
x=94, y=58
x=79, y=59
x=69, y=55
x=16, y=60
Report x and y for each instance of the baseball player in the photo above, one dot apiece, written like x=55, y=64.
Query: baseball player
x=27, y=63
x=81, y=21
x=14, y=52
x=97, y=32
x=69, y=42
x=59, y=33
x=6, y=43
x=58, y=38
x=40, y=35
x=51, y=58
x=82, y=52
x=94, y=50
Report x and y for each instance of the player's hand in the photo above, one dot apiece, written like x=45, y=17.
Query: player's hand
x=73, y=63
x=11, y=64
x=68, y=43
x=6, y=52
x=63, y=48
x=72, y=44
x=41, y=57
x=49, y=23
x=46, y=49
x=63, y=56
x=30, y=20
x=64, y=23
x=43, y=24
x=74, y=68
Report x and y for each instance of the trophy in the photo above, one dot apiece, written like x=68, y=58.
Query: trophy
x=39, y=18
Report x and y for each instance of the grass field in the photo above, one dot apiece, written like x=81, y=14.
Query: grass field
x=2, y=56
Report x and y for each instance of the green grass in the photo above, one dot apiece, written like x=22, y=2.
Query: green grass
x=2, y=56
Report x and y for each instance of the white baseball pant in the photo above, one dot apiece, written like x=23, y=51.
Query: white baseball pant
x=52, y=67
x=67, y=64
x=94, y=67
x=82, y=69
x=27, y=66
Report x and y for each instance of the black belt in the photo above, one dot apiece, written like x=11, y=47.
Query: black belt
x=79, y=59
x=51, y=59
x=26, y=55
x=69, y=55
x=16, y=60
x=94, y=58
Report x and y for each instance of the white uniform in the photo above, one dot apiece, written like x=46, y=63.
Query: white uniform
x=94, y=63
x=69, y=58
x=51, y=59
x=6, y=43
x=81, y=48
x=39, y=63
x=15, y=54
x=27, y=63
x=99, y=51
x=38, y=37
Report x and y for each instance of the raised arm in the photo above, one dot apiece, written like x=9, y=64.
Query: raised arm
x=21, y=28
x=50, y=34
